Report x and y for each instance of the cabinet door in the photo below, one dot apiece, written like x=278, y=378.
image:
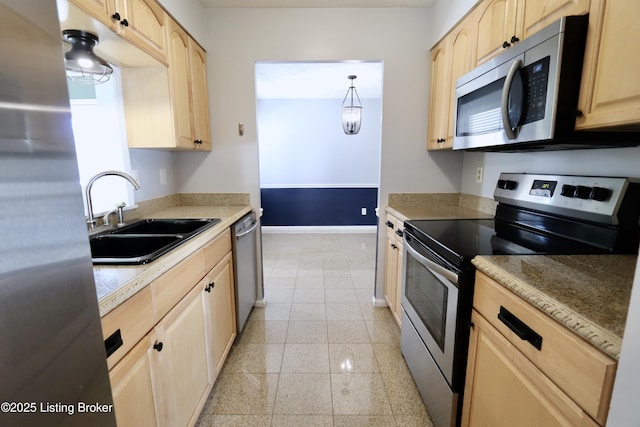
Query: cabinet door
x=496, y=23
x=132, y=387
x=503, y=388
x=219, y=306
x=181, y=364
x=390, y=272
x=540, y=13
x=439, y=98
x=179, y=85
x=463, y=59
x=144, y=23
x=99, y=9
x=200, y=98
x=610, y=94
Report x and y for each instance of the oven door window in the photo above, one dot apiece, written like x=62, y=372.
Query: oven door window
x=429, y=297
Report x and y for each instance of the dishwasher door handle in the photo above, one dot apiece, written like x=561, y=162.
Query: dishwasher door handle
x=249, y=231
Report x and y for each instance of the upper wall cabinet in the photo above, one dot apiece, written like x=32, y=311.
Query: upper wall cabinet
x=142, y=22
x=496, y=25
x=540, y=13
x=610, y=90
x=439, y=102
x=451, y=58
x=188, y=87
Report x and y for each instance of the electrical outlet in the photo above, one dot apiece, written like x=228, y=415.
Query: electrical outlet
x=363, y=211
x=479, y=174
x=163, y=176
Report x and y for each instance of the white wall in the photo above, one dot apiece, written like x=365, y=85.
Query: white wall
x=302, y=144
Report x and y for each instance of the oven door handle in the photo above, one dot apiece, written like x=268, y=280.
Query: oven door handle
x=448, y=274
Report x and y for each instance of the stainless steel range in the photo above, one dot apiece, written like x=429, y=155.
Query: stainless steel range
x=536, y=214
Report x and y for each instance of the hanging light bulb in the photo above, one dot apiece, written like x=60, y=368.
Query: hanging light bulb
x=82, y=64
x=351, y=114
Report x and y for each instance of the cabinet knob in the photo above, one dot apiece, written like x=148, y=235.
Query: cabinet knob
x=210, y=286
x=393, y=246
x=158, y=346
x=124, y=23
x=514, y=39
x=116, y=16
x=506, y=44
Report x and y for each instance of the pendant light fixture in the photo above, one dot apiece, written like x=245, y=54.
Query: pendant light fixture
x=351, y=113
x=82, y=64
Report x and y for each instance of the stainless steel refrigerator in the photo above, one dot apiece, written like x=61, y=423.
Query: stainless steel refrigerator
x=53, y=369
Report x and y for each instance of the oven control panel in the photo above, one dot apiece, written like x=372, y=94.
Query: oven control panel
x=592, y=198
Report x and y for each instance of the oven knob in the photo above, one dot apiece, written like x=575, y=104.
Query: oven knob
x=583, y=192
x=600, y=194
x=568, y=190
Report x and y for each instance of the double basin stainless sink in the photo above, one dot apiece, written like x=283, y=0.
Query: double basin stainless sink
x=145, y=240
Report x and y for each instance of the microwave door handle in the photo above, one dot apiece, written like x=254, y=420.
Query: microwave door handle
x=504, y=104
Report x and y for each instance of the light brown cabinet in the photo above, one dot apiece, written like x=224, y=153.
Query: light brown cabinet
x=540, y=13
x=504, y=388
x=393, y=266
x=132, y=386
x=495, y=27
x=555, y=378
x=188, y=88
x=439, y=99
x=220, y=316
x=164, y=378
x=180, y=365
x=451, y=59
x=142, y=22
x=610, y=90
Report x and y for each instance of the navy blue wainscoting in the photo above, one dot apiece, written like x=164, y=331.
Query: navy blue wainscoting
x=319, y=206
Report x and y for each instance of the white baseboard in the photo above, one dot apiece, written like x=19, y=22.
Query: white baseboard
x=379, y=302
x=320, y=229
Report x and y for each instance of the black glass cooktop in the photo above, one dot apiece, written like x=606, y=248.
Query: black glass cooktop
x=459, y=240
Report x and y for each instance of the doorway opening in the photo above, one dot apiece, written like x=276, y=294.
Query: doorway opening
x=312, y=174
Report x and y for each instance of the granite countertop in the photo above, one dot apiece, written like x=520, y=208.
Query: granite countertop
x=408, y=206
x=588, y=294
x=115, y=284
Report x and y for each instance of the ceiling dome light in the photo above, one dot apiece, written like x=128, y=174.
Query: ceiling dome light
x=352, y=113
x=82, y=64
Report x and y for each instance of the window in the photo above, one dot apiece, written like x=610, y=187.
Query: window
x=101, y=141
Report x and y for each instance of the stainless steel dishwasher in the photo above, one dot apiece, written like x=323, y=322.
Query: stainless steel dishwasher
x=245, y=266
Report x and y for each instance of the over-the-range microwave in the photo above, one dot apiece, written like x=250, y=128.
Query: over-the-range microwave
x=526, y=98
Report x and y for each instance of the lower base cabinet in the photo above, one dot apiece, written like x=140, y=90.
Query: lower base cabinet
x=165, y=379
x=505, y=389
x=180, y=362
x=132, y=387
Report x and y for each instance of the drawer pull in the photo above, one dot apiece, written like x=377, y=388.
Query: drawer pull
x=389, y=224
x=400, y=233
x=158, y=346
x=113, y=342
x=520, y=328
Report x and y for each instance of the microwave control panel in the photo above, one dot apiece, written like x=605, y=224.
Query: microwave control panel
x=535, y=79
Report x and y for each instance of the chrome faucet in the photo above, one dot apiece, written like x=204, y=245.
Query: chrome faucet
x=91, y=220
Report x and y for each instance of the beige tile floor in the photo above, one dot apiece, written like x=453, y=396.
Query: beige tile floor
x=319, y=353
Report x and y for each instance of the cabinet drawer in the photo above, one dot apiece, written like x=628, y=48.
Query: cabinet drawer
x=172, y=286
x=581, y=371
x=217, y=249
x=134, y=318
